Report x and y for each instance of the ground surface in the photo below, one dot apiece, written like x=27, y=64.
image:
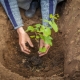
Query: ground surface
x=15, y=65
x=71, y=34
x=29, y=65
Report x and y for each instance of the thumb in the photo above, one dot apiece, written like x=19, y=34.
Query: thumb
x=41, y=43
x=47, y=47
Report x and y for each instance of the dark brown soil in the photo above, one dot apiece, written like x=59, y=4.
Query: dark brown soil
x=33, y=67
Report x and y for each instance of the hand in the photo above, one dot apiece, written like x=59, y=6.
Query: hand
x=43, y=44
x=23, y=39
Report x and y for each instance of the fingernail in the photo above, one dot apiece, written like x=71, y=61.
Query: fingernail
x=32, y=45
x=28, y=53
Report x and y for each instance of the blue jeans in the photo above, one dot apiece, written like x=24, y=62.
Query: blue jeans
x=47, y=7
x=12, y=10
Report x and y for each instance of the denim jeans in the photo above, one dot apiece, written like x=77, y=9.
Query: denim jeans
x=12, y=10
x=48, y=7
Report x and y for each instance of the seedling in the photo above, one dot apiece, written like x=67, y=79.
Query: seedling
x=44, y=32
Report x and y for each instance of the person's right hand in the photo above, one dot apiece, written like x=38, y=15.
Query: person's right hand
x=23, y=39
x=43, y=44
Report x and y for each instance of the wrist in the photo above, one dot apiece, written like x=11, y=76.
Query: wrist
x=20, y=30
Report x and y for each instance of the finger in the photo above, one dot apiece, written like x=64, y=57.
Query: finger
x=47, y=48
x=42, y=54
x=41, y=43
x=30, y=43
x=25, y=49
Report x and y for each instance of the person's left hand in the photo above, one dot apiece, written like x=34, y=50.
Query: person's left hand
x=43, y=44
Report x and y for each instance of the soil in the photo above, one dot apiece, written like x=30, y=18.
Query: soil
x=29, y=65
x=71, y=34
x=16, y=65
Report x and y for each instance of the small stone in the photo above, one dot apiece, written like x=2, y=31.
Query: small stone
x=79, y=31
x=46, y=69
x=37, y=70
x=23, y=60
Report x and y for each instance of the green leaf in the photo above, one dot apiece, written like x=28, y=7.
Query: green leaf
x=50, y=37
x=32, y=36
x=46, y=20
x=37, y=37
x=41, y=36
x=38, y=25
x=51, y=16
x=54, y=16
x=42, y=49
x=54, y=26
x=57, y=15
x=48, y=40
x=42, y=29
x=47, y=31
x=30, y=28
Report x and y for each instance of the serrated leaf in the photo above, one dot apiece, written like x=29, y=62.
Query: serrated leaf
x=50, y=37
x=79, y=31
x=42, y=29
x=32, y=36
x=48, y=40
x=46, y=20
x=54, y=17
x=37, y=37
x=47, y=31
x=57, y=15
x=30, y=28
x=38, y=25
x=42, y=49
x=51, y=16
x=54, y=26
x=42, y=37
